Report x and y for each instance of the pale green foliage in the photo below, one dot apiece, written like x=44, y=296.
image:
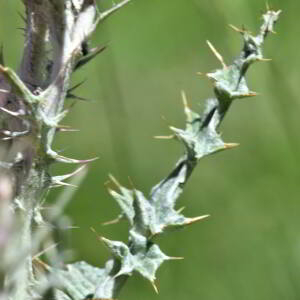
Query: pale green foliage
x=40, y=108
x=149, y=217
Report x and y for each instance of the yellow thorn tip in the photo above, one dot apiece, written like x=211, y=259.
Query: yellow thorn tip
x=236, y=29
x=176, y=257
x=164, y=137
x=216, y=53
x=230, y=145
x=197, y=219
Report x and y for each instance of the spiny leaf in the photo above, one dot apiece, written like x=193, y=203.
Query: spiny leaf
x=144, y=260
x=154, y=215
x=78, y=280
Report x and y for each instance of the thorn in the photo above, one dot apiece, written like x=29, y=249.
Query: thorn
x=19, y=113
x=131, y=183
x=1, y=56
x=114, y=181
x=238, y=95
x=14, y=134
x=95, y=232
x=61, y=183
x=62, y=150
x=154, y=286
x=86, y=58
x=210, y=77
x=44, y=251
x=72, y=96
x=58, y=183
x=76, y=86
x=264, y=59
x=251, y=94
x=164, y=137
x=60, y=116
x=181, y=209
x=242, y=31
x=65, y=129
x=197, y=219
x=110, y=187
x=114, y=221
x=216, y=53
x=184, y=99
x=168, y=125
x=175, y=258
x=187, y=109
x=42, y=264
x=108, y=12
x=45, y=207
x=59, y=158
x=61, y=126
x=4, y=91
x=22, y=17
x=176, y=130
x=72, y=227
x=267, y=6
x=107, y=182
x=165, y=120
x=105, y=241
x=230, y=145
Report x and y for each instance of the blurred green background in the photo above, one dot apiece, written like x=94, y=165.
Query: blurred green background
x=250, y=246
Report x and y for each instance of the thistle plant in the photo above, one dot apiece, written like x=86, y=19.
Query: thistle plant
x=32, y=107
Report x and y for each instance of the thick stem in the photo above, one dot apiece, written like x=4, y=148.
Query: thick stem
x=32, y=105
x=110, y=287
x=32, y=69
x=23, y=274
